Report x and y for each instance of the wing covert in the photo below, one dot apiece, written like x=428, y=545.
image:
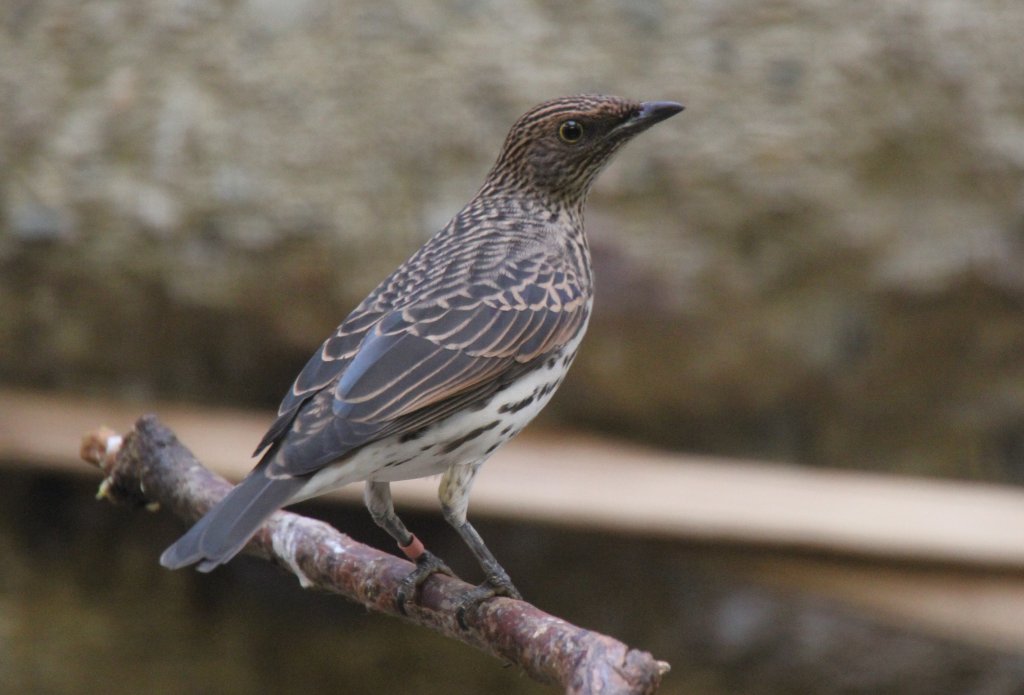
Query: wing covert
x=415, y=362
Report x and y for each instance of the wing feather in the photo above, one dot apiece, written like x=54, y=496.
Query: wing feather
x=415, y=364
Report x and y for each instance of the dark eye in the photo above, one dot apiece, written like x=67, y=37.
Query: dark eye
x=570, y=131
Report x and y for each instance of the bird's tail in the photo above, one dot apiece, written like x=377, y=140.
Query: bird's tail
x=228, y=526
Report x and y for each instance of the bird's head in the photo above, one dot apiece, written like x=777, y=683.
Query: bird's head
x=557, y=148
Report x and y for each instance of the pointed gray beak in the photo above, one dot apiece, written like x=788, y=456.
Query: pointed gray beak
x=650, y=112
x=654, y=111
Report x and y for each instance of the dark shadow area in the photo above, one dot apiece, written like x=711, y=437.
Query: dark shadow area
x=84, y=608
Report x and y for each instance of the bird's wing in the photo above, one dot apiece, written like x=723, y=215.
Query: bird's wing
x=422, y=362
x=322, y=369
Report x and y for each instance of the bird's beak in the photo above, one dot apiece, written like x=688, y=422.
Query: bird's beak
x=654, y=111
x=650, y=112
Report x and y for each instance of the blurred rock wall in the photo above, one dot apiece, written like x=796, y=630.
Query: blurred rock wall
x=821, y=260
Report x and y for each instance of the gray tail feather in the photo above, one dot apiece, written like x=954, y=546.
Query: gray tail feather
x=228, y=526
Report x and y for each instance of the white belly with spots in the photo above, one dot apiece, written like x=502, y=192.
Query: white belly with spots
x=465, y=438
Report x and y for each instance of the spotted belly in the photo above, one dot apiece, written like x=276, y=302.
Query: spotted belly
x=466, y=437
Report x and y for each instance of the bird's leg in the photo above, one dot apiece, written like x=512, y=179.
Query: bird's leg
x=454, y=494
x=378, y=500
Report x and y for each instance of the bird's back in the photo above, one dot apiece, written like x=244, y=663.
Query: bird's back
x=496, y=290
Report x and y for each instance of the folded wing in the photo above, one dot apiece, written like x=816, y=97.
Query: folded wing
x=400, y=370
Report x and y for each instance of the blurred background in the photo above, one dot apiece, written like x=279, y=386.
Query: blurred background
x=819, y=264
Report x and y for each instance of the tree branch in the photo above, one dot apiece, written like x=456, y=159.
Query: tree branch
x=151, y=467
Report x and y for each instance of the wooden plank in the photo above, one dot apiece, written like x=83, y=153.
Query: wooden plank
x=587, y=481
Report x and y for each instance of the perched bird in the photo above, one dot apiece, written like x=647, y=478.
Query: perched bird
x=451, y=355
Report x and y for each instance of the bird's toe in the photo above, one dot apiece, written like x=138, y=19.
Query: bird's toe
x=495, y=585
x=426, y=564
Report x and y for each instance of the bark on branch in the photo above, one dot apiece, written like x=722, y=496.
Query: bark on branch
x=151, y=467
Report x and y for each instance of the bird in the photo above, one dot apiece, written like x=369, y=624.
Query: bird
x=448, y=357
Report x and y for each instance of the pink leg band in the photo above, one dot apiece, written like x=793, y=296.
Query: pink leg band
x=414, y=549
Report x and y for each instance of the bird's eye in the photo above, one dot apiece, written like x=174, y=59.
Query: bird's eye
x=570, y=132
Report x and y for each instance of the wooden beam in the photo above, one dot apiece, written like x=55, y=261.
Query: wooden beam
x=587, y=481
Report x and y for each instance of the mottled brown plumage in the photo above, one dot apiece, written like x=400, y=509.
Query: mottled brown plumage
x=453, y=353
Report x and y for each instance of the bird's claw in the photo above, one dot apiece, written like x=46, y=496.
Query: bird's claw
x=426, y=565
x=495, y=585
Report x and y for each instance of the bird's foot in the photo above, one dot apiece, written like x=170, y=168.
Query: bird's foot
x=426, y=564
x=496, y=584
